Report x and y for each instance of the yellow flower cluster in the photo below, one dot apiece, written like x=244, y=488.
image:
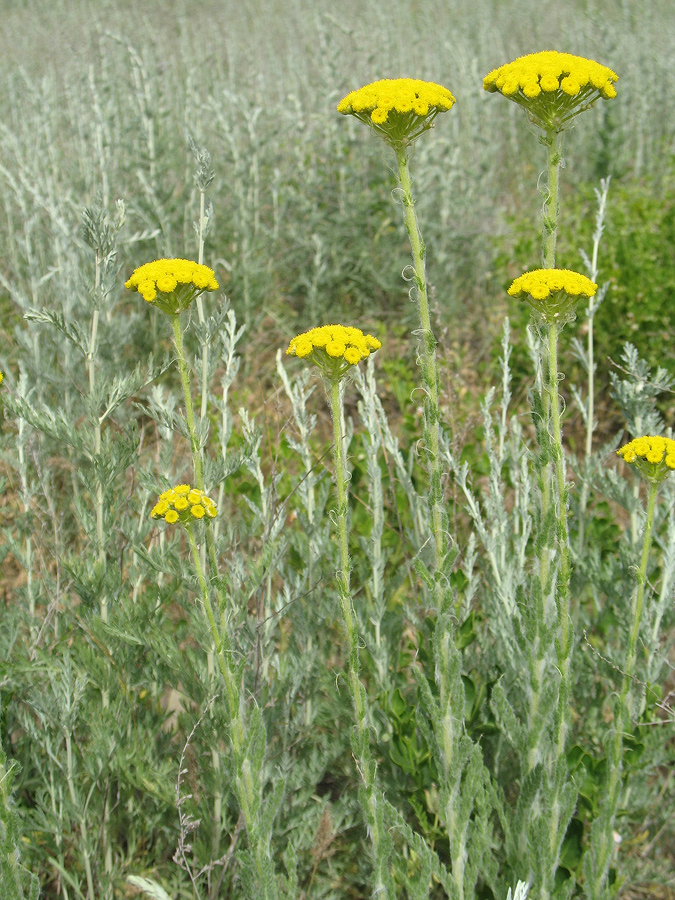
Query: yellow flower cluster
x=399, y=109
x=541, y=283
x=552, y=87
x=1, y=377
x=651, y=449
x=548, y=72
x=183, y=503
x=336, y=341
x=553, y=293
x=404, y=95
x=165, y=275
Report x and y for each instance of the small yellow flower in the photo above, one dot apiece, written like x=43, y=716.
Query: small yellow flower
x=398, y=109
x=172, y=284
x=1, y=377
x=653, y=456
x=552, y=293
x=334, y=348
x=552, y=87
x=183, y=504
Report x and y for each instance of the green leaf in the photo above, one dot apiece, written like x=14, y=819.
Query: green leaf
x=469, y=694
x=466, y=633
x=398, y=705
x=570, y=854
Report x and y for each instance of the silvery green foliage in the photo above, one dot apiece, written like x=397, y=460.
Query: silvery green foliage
x=150, y=887
x=372, y=545
x=16, y=881
x=635, y=388
x=520, y=892
x=287, y=160
x=522, y=623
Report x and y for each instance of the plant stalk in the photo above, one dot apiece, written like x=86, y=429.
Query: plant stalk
x=223, y=644
x=366, y=765
x=432, y=417
x=602, y=852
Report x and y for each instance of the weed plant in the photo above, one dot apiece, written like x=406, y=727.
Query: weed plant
x=260, y=644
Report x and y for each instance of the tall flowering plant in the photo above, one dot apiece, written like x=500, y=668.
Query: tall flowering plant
x=172, y=285
x=553, y=88
x=399, y=110
x=336, y=350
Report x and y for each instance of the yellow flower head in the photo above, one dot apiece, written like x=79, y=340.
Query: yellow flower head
x=553, y=293
x=183, y=504
x=172, y=284
x=654, y=457
x=398, y=109
x=334, y=348
x=1, y=377
x=552, y=87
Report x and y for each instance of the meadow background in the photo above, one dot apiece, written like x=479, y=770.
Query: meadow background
x=96, y=104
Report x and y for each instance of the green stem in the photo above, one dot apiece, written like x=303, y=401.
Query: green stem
x=244, y=782
x=432, y=416
x=590, y=412
x=566, y=639
x=197, y=461
x=553, y=143
x=366, y=764
x=189, y=411
x=223, y=645
x=245, y=787
x=622, y=714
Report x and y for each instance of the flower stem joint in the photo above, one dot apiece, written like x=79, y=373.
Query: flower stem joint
x=552, y=87
x=399, y=110
x=653, y=457
x=335, y=349
x=172, y=284
x=552, y=293
x=183, y=504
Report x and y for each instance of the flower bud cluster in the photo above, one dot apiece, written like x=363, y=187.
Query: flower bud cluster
x=553, y=87
x=654, y=456
x=172, y=284
x=552, y=293
x=334, y=348
x=183, y=504
x=399, y=109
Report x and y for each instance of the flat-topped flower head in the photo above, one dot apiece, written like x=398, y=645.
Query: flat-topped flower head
x=334, y=348
x=552, y=293
x=552, y=87
x=398, y=109
x=183, y=504
x=653, y=456
x=172, y=284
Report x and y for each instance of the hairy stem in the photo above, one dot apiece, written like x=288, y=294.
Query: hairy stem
x=432, y=416
x=604, y=840
x=245, y=782
x=566, y=637
x=366, y=765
